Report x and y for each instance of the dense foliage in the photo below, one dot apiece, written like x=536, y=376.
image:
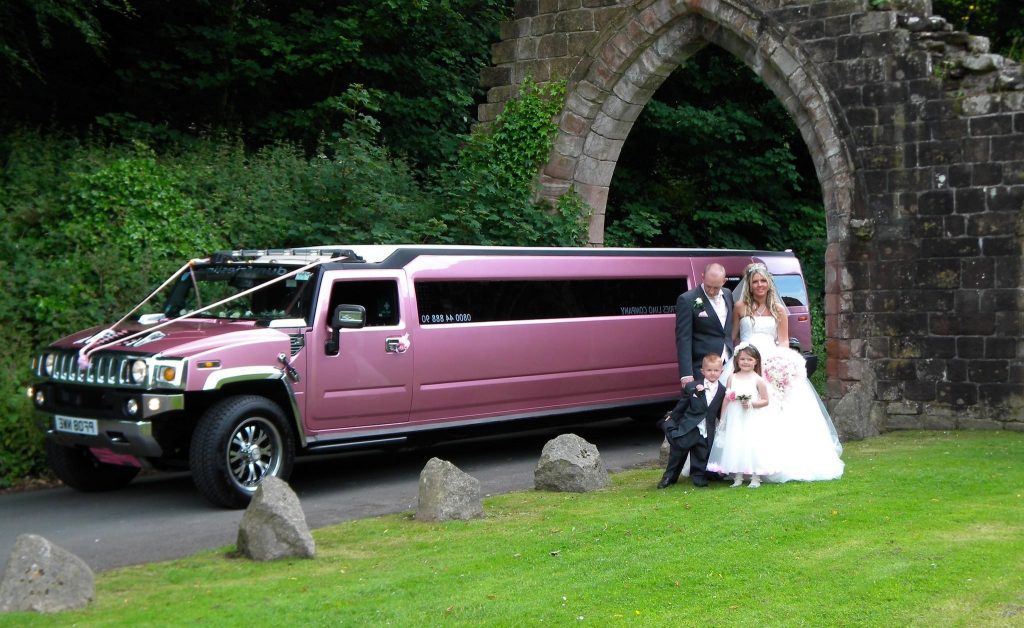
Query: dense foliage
x=1002, y=21
x=266, y=70
x=714, y=160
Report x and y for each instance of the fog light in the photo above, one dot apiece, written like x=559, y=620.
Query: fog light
x=39, y=398
x=131, y=407
x=153, y=404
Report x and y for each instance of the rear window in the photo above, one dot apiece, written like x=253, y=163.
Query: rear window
x=791, y=288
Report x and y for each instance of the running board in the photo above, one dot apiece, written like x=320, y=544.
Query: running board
x=355, y=444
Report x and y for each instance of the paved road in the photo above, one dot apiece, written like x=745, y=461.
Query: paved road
x=163, y=517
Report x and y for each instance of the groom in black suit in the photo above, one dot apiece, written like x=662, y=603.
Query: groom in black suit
x=690, y=427
x=703, y=326
x=703, y=322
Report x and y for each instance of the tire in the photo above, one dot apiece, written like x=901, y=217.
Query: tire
x=238, y=442
x=80, y=470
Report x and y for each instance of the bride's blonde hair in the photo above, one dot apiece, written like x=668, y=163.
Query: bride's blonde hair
x=772, y=299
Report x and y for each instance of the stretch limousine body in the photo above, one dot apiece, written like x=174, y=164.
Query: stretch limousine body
x=248, y=358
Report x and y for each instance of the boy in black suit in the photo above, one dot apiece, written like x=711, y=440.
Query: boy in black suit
x=690, y=427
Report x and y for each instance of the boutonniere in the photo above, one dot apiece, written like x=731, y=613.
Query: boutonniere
x=698, y=303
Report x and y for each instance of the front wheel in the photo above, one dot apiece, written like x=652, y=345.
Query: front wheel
x=238, y=442
x=80, y=470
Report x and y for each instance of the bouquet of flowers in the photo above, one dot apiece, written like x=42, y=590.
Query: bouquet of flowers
x=783, y=369
x=741, y=397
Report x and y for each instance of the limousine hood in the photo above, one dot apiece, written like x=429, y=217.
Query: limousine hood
x=184, y=339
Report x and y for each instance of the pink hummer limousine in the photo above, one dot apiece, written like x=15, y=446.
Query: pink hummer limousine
x=245, y=359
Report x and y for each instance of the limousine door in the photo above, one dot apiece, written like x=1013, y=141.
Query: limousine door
x=367, y=382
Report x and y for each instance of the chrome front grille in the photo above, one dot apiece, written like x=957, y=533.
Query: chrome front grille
x=103, y=370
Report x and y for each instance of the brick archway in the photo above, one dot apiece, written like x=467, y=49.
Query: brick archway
x=917, y=138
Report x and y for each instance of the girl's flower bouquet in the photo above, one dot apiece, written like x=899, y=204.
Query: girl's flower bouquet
x=783, y=369
x=734, y=397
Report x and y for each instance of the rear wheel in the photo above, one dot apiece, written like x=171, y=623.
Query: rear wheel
x=80, y=470
x=238, y=442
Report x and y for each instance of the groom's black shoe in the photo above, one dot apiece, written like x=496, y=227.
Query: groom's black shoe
x=699, y=481
x=665, y=483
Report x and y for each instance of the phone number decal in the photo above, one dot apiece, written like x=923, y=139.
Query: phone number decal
x=434, y=319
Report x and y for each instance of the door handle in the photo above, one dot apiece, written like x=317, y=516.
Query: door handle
x=397, y=344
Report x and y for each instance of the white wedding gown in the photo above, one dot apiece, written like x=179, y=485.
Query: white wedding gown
x=810, y=446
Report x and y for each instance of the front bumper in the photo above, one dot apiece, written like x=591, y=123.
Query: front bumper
x=130, y=438
x=118, y=430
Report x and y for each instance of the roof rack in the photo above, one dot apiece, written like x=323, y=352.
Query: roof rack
x=248, y=255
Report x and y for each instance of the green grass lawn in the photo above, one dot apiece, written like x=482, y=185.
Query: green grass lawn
x=925, y=528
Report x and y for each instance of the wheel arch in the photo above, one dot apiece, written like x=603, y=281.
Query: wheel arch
x=278, y=390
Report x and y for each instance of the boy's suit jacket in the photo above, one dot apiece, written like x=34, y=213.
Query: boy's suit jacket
x=692, y=408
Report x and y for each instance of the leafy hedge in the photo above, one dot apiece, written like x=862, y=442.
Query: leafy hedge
x=89, y=228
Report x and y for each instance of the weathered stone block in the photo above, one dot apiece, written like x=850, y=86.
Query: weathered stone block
x=837, y=7
x=574, y=21
x=979, y=424
x=956, y=394
x=874, y=21
x=571, y=464
x=918, y=391
x=988, y=371
x=495, y=76
x=274, y=525
x=44, y=578
x=447, y=493
x=554, y=45
x=525, y=8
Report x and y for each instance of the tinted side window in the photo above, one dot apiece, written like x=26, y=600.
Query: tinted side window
x=379, y=297
x=791, y=289
x=487, y=301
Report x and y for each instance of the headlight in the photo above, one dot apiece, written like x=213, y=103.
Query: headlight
x=48, y=361
x=138, y=372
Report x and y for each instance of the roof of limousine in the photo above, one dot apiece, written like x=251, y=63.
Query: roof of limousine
x=396, y=256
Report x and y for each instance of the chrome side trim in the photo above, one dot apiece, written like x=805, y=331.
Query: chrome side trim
x=222, y=378
x=296, y=413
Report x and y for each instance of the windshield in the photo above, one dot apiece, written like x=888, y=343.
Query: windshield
x=289, y=298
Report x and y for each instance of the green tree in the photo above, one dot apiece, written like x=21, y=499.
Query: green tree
x=1002, y=21
x=31, y=29
x=267, y=71
x=714, y=160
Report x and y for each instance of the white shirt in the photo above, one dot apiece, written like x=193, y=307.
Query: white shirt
x=709, y=391
x=718, y=304
x=709, y=394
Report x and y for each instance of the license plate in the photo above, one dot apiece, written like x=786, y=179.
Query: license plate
x=75, y=425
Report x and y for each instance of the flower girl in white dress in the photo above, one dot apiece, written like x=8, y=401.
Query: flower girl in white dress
x=745, y=440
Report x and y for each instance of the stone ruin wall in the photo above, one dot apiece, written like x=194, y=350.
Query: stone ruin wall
x=917, y=134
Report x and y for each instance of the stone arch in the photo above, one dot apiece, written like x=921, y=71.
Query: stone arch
x=632, y=57
x=917, y=137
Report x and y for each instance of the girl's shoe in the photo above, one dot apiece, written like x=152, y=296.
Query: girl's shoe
x=755, y=481
x=737, y=481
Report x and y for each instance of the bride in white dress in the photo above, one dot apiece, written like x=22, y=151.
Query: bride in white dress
x=809, y=442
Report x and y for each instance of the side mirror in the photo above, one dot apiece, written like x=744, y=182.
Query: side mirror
x=344, y=316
